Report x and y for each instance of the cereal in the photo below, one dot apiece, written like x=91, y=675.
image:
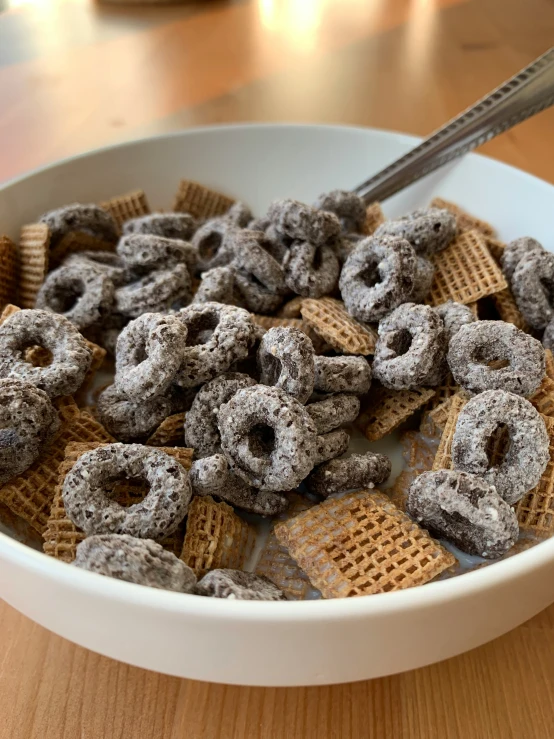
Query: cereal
x=374, y=217
x=465, y=271
x=252, y=256
x=330, y=445
x=141, y=561
x=311, y=271
x=532, y=284
x=411, y=348
x=211, y=476
x=237, y=585
x=423, y=281
x=332, y=412
x=360, y=544
x=34, y=247
x=268, y=437
x=526, y=455
x=131, y=419
x=349, y=208
x=169, y=432
x=507, y=310
x=517, y=250
x=218, y=285
x=155, y=292
x=300, y=222
x=159, y=514
x=8, y=271
x=149, y=353
x=201, y=430
x=104, y=261
x=84, y=296
x=215, y=537
x=91, y=219
x=454, y=316
x=377, y=277
x=28, y=420
x=213, y=242
x=126, y=207
x=477, y=348
x=218, y=336
x=200, y=201
x=286, y=361
x=354, y=472
x=428, y=230
x=330, y=320
x=342, y=374
x=169, y=225
x=71, y=357
x=75, y=243
x=384, y=410
x=146, y=252
x=465, y=221
x=465, y=510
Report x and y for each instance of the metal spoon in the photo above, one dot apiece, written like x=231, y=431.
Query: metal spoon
x=519, y=98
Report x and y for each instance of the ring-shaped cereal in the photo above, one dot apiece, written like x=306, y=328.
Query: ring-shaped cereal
x=155, y=292
x=286, y=361
x=311, y=271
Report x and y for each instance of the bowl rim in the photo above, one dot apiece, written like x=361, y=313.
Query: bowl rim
x=421, y=597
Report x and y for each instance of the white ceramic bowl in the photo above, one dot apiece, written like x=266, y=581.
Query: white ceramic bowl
x=290, y=643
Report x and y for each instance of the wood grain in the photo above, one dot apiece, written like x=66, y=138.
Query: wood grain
x=75, y=75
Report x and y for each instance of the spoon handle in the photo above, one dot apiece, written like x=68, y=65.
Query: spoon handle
x=527, y=93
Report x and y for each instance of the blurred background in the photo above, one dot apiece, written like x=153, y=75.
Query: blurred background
x=77, y=74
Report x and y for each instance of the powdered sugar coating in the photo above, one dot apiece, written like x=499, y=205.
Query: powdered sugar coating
x=237, y=585
x=149, y=353
x=201, y=430
x=104, y=261
x=454, y=316
x=527, y=453
x=311, y=271
x=218, y=335
x=548, y=336
x=428, y=230
x=532, y=284
x=145, y=252
x=170, y=225
x=155, y=292
x=255, y=296
x=377, y=277
x=476, y=345
x=211, y=476
x=411, y=345
x=28, y=420
x=425, y=274
x=342, y=374
x=90, y=219
x=331, y=445
x=517, y=250
x=141, y=561
x=349, y=208
x=252, y=256
x=87, y=498
x=301, y=222
x=268, y=438
x=286, y=361
x=213, y=247
x=218, y=285
x=131, y=419
x=84, y=295
x=352, y=473
x=330, y=413
x=71, y=357
x=465, y=510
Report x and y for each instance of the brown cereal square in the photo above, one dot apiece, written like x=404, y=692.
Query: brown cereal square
x=124, y=207
x=34, y=247
x=329, y=318
x=8, y=271
x=200, y=201
x=383, y=410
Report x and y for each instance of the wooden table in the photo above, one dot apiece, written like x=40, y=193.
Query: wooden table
x=75, y=75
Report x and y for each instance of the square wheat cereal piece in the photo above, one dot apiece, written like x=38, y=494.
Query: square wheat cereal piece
x=291, y=309
x=61, y=536
x=535, y=511
x=75, y=242
x=215, y=537
x=443, y=458
x=465, y=271
x=30, y=494
x=276, y=563
x=548, y=358
x=329, y=318
x=124, y=207
x=446, y=390
x=201, y=202
x=507, y=309
x=383, y=410
x=464, y=220
x=496, y=248
x=362, y=544
x=8, y=311
x=170, y=432
x=543, y=399
x=34, y=253
x=374, y=217
x=8, y=271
